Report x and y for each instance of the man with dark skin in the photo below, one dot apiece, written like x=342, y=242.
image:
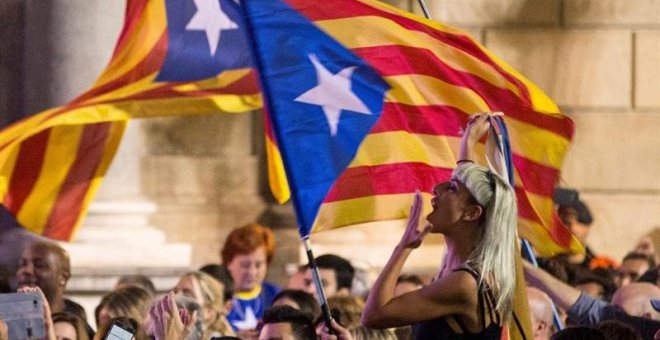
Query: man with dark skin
x=46, y=265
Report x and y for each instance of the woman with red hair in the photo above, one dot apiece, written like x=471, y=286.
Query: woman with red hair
x=247, y=252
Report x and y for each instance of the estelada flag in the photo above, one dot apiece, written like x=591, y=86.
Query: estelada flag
x=438, y=76
x=172, y=58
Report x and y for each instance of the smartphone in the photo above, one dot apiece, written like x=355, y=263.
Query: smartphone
x=120, y=331
x=24, y=315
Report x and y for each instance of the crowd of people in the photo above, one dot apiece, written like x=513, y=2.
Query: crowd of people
x=583, y=296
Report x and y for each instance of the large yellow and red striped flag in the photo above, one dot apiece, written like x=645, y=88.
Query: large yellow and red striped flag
x=439, y=76
x=52, y=163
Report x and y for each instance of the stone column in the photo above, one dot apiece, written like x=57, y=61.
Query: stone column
x=67, y=44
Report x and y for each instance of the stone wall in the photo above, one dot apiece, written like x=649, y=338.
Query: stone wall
x=597, y=58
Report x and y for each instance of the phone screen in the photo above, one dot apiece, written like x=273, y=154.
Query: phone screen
x=119, y=333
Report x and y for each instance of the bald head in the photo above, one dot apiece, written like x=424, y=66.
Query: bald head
x=635, y=299
x=540, y=308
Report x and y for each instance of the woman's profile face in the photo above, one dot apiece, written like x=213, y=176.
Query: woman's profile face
x=448, y=202
x=248, y=270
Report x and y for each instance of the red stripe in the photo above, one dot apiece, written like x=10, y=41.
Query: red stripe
x=386, y=179
x=560, y=235
x=525, y=208
x=559, y=232
x=68, y=206
x=432, y=120
x=26, y=171
x=536, y=178
x=341, y=9
x=246, y=85
x=134, y=10
x=403, y=60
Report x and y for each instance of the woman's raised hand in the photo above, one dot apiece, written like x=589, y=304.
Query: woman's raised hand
x=413, y=236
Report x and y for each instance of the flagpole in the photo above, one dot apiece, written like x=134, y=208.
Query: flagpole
x=425, y=9
x=526, y=246
x=325, y=309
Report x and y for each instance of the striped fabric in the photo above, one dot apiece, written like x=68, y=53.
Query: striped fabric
x=52, y=163
x=439, y=76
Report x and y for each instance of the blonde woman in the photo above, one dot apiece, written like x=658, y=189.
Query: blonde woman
x=472, y=294
x=208, y=293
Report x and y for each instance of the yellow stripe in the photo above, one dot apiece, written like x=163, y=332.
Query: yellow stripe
x=7, y=169
x=535, y=143
x=112, y=144
x=60, y=154
x=418, y=89
x=540, y=238
x=223, y=80
x=399, y=12
x=277, y=180
x=384, y=32
x=150, y=27
x=366, y=209
x=400, y=147
x=248, y=295
x=540, y=101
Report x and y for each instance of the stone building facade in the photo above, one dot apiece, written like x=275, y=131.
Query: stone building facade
x=179, y=185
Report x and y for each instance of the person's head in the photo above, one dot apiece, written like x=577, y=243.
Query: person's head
x=573, y=212
x=336, y=275
x=246, y=253
x=69, y=327
x=209, y=294
x=46, y=265
x=104, y=329
x=346, y=310
x=297, y=279
x=286, y=322
x=635, y=299
x=220, y=273
x=130, y=302
x=579, y=333
x=298, y=299
x=481, y=206
x=540, y=309
x=618, y=330
x=365, y=333
x=407, y=283
x=633, y=266
x=136, y=280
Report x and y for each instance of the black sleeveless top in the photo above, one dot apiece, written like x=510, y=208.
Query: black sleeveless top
x=439, y=328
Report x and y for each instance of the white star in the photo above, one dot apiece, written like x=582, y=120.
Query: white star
x=333, y=93
x=210, y=18
x=249, y=322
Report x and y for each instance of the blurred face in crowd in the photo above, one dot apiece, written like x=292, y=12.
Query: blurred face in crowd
x=40, y=267
x=277, y=331
x=189, y=287
x=65, y=331
x=328, y=281
x=630, y=270
x=248, y=270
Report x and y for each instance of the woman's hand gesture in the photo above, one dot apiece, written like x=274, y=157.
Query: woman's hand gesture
x=413, y=236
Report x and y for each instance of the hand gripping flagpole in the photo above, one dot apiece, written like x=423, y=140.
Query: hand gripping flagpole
x=325, y=309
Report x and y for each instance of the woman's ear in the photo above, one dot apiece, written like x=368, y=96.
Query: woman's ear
x=473, y=212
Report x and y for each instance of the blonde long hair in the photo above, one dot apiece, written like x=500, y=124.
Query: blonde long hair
x=494, y=256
